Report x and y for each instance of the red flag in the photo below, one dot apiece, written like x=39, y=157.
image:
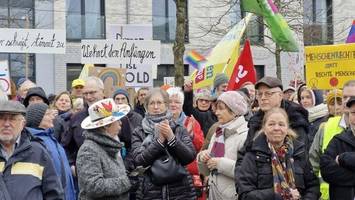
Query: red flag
x=243, y=70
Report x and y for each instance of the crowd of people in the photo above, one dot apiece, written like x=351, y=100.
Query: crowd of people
x=259, y=142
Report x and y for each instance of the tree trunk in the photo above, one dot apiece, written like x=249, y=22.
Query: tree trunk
x=179, y=44
x=278, y=61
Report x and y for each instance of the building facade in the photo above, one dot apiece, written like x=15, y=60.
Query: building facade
x=324, y=22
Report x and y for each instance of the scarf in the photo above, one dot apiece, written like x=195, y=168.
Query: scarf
x=317, y=112
x=181, y=119
x=282, y=170
x=149, y=121
x=218, y=145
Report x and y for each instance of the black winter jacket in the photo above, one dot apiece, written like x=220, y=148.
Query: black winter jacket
x=298, y=118
x=341, y=177
x=205, y=118
x=74, y=135
x=139, y=109
x=255, y=178
x=29, y=173
x=144, y=155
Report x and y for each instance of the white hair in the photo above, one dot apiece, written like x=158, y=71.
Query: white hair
x=176, y=91
x=3, y=95
x=97, y=81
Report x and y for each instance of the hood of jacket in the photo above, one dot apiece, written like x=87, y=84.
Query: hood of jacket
x=110, y=145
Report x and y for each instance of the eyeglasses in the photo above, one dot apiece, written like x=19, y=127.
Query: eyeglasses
x=10, y=118
x=267, y=94
x=89, y=93
x=153, y=103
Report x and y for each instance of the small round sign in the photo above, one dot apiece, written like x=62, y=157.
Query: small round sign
x=333, y=81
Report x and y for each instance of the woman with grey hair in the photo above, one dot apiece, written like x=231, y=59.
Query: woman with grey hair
x=230, y=132
x=100, y=168
x=163, y=148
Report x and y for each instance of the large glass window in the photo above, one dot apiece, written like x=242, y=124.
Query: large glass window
x=18, y=14
x=318, y=25
x=85, y=19
x=164, y=20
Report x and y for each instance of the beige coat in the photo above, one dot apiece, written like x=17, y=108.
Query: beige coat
x=222, y=185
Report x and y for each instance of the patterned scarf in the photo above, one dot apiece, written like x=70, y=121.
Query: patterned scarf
x=149, y=121
x=282, y=170
x=218, y=145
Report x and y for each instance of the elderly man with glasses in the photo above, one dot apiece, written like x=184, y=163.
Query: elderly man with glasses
x=26, y=169
x=269, y=94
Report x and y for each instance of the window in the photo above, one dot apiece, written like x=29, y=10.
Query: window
x=85, y=19
x=260, y=71
x=18, y=14
x=167, y=70
x=164, y=20
x=318, y=25
x=255, y=28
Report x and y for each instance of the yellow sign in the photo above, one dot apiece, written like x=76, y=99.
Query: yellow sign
x=330, y=66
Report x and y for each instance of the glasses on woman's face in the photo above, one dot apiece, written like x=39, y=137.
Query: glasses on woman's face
x=155, y=103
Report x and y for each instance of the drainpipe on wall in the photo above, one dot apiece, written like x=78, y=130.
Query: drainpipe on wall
x=127, y=10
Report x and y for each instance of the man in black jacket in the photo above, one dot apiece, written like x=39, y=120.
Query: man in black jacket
x=26, y=169
x=337, y=164
x=269, y=95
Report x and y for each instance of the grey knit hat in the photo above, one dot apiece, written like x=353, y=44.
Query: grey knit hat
x=220, y=79
x=235, y=102
x=35, y=113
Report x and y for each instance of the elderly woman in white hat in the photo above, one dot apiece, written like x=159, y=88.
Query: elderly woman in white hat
x=100, y=168
x=230, y=132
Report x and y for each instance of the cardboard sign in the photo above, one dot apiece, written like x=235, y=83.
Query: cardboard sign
x=330, y=66
x=113, y=78
x=120, y=51
x=32, y=41
x=5, y=77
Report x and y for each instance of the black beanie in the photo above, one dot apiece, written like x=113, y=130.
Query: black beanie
x=36, y=91
x=35, y=113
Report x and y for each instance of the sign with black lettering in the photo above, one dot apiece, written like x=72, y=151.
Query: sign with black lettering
x=32, y=41
x=330, y=66
x=138, y=75
x=120, y=51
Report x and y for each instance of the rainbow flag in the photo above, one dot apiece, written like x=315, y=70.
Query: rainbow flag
x=351, y=36
x=280, y=31
x=195, y=59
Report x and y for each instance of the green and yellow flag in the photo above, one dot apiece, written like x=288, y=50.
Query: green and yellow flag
x=222, y=57
x=280, y=31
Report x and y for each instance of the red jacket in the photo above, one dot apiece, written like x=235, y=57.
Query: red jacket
x=197, y=140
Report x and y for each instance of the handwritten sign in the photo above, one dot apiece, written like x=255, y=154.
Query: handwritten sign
x=5, y=77
x=120, y=51
x=129, y=31
x=330, y=66
x=32, y=41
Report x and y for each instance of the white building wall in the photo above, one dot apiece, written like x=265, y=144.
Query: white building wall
x=201, y=14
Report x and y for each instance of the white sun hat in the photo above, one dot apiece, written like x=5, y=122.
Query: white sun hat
x=104, y=112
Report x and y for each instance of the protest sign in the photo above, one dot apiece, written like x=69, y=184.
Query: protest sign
x=113, y=78
x=120, y=52
x=130, y=32
x=330, y=66
x=45, y=41
x=5, y=77
x=137, y=75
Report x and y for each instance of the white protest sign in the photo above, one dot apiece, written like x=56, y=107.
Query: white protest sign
x=5, y=77
x=129, y=32
x=32, y=41
x=137, y=75
x=120, y=51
